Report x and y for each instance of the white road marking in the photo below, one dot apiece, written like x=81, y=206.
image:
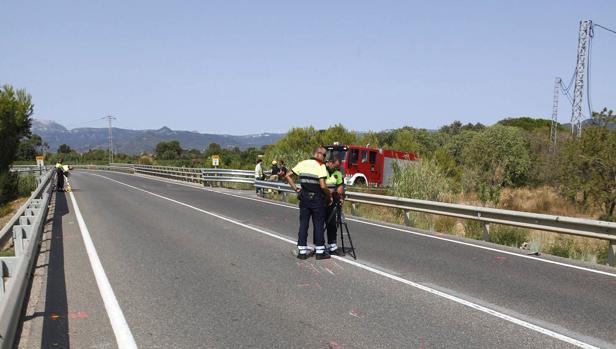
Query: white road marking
x=435, y=292
x=124, y=337
x=407, y=231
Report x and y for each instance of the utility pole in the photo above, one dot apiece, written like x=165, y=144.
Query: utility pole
x=109, y=118
x=580, y=70
x=554, y=125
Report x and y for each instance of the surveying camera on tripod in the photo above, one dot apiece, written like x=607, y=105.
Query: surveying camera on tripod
x=342, y=227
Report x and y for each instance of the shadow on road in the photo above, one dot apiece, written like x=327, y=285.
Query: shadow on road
x=55, y=324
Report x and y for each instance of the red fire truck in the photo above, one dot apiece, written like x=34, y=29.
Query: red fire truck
x=367, y=166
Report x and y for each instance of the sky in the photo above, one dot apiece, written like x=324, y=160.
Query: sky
x=245, y=67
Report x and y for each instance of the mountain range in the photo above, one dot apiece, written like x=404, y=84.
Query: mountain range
x=138, y=141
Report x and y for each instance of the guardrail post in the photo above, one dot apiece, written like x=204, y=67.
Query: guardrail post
x=611, y=251
x=2, y=276
x=486, y=231
x=21, y=234
x=353, y=209
x=407, y=218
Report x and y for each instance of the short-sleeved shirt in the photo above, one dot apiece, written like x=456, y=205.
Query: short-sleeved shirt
x=334, y=180
x=309, y=172
x=258, y=171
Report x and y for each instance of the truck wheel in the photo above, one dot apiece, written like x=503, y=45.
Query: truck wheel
x=360, y=182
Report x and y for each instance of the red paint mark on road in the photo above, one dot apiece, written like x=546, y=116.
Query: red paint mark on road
x=77, y=315
x=317, y=286
x=334, y=345
x=501, y=258
x=357, y=314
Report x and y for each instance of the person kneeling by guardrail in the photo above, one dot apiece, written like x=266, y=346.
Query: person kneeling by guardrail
x=313, y=197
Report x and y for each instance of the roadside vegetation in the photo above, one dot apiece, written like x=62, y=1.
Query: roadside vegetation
x=15, y=111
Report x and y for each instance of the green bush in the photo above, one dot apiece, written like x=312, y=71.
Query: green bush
x=423, y=181
x=26, y=184
x=8, y=187
x=508, y=236
x=473, y=229
x=562, y=247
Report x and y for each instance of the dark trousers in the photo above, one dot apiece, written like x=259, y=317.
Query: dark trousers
x=331, y=223
x=314, y=209
x=60, y=184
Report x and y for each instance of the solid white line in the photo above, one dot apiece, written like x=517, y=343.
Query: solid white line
x=407, y=231
x=124, y=337
x=458, y=300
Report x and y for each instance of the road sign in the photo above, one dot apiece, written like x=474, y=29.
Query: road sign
x=39, y=161
x=215, y=160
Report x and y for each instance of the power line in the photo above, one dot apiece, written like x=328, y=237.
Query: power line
x=604, y=28
x=84, y=122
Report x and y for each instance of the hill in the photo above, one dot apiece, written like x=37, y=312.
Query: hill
x=137, y=141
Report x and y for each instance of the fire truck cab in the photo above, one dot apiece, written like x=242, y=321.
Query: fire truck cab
x=368, y=166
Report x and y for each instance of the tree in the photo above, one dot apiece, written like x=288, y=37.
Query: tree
x=29, y=147
x=498, y=156
x=337, y=133
x=168, y=150
x=588, y=165
x=213, y=149
x=15, y=111
x=64, y=149
x=370, y=139
x=419, y=141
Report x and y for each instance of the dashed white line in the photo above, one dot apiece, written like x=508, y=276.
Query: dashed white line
x=430, y=290
x=124, y=337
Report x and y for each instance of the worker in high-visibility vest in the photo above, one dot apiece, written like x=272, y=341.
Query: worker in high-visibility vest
x=335, y=184
x=313, y=196
x=60, y=175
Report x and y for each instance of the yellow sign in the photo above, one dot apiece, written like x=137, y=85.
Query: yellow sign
x=215, y=160
x=39, y=161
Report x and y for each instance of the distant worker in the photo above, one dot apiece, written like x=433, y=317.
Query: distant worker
x=275, y=171
x=283, y=170
x=259, y=173
x=60, y=175
x=313, y=197
x=335, y=184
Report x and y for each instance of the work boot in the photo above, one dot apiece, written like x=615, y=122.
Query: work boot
x=302, y=255
x=304, y=252
x=323, y=255
x=337, y=252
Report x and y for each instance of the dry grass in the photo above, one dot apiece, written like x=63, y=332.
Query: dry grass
x=10, y=252
x=8, y=210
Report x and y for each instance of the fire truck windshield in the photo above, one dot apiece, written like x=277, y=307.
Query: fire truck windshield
x=339, y=153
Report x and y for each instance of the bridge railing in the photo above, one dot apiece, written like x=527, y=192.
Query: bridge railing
x=486, y=216
x=25, y=228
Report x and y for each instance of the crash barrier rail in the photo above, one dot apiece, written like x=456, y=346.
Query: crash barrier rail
x=128, y=168
x=25, y=228
x=559, y=224
x=198, y=175
x=27, y=169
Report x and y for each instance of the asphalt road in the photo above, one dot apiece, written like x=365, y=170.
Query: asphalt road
x=185, y=278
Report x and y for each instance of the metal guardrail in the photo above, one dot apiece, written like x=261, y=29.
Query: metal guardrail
x=559, y=224
x=26, y=227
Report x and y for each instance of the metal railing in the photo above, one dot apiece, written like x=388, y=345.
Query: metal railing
x=25, y=228
x=559, y=224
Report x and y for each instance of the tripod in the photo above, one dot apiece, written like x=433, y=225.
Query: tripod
x=341, y=223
